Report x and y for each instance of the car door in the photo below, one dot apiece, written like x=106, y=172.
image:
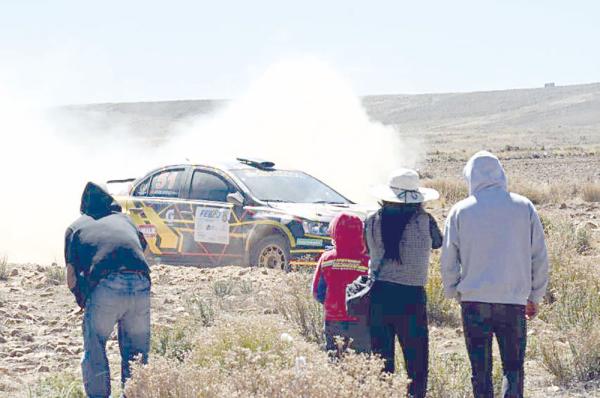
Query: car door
x=156, y=208
x=215, y=239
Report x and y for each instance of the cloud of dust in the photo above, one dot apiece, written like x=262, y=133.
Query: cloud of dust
x=43, y=175
x=300, y=114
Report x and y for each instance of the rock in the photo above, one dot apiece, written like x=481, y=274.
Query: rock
x=243, y=271
x=27, y=337
x=43, y=369
x=64, y=350
x=2, y=340
x=562, y=206
x=14, y=272
x=168, y=300
x=264, y=271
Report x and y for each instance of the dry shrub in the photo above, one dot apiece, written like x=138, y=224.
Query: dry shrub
x=537, y=193
x=55, y=275
x=294, y=301
x=450, y=376
x=245, y=357
x=591, y=192
x=575, y=360
x=223, y=288
x=4, y=269
x=573, y=313
x=202, y=310
x=440, y=311
x=451, y=190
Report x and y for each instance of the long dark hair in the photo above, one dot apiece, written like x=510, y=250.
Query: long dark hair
x=394, y=218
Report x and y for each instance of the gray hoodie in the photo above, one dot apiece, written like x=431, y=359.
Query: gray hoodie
x=494, y=249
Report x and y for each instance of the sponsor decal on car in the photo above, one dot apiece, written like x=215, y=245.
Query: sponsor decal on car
x=148, y=230
x=309, y=242
x=212, y=225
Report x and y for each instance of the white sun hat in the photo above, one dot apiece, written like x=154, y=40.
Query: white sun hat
x=403, y=187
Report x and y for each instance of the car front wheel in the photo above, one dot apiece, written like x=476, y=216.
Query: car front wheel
x=272, y=252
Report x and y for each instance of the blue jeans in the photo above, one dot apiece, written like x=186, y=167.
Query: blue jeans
x=122, y=299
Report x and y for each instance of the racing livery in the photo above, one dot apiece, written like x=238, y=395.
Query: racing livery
x=243, y=212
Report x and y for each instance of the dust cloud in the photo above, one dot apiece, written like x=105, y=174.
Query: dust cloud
x=300, y=114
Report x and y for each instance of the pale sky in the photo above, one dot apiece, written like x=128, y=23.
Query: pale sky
x=107, y=51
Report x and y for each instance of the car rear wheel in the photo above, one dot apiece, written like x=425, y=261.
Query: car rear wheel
x=272, y=252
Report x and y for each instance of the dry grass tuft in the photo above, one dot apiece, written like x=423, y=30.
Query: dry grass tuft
x=4, y=269
x=451, y=190
x=573, y=310
x=55, y=275
x=591, y=192
x=245, y=357
x=440, y=311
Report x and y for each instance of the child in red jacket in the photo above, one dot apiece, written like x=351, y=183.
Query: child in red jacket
x=336, y=269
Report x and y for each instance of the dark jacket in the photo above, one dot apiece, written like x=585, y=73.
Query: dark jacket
x=340, y=266
x=103, y=240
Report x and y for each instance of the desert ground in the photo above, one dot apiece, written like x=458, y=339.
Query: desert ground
x=240, y=331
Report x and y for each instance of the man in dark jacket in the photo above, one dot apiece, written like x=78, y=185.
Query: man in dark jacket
x=110, y=278
x=338, y=268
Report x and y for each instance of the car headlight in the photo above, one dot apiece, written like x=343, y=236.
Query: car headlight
x=315, y=228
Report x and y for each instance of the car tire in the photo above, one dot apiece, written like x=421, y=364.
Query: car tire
x=272, y=251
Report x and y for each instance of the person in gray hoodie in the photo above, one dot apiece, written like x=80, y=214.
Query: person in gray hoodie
x=494, y=261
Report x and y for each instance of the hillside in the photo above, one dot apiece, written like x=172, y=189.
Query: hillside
x=561, y=110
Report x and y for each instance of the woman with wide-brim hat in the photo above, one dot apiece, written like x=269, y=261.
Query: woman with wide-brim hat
x=400, y=236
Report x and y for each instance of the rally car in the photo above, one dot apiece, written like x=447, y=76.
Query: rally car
x=245, y=212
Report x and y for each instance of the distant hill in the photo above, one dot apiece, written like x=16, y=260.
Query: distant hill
x=557, y=109
x=547, y=109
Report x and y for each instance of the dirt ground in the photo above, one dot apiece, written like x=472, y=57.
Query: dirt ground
x=40, y=327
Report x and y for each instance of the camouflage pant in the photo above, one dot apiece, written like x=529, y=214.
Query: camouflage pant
x=507, y=321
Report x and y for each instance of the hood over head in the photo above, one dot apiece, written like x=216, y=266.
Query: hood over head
x=484, y=171
x=96, y=202
x=347, y=232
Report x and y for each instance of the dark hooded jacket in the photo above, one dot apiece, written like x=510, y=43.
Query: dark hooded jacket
x=103, y=240
x=340, y=266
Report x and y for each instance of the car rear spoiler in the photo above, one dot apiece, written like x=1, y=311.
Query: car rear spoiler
x=119, y=187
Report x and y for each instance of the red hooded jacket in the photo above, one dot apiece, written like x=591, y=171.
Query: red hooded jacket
x=340, y=266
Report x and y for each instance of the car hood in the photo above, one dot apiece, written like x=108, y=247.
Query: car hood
x=321, y=212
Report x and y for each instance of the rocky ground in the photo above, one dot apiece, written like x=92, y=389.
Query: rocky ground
x=40, y=325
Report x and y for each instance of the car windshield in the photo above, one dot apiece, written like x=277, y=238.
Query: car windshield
x=288, y=186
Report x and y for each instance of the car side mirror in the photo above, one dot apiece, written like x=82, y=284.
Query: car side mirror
x=236, y=198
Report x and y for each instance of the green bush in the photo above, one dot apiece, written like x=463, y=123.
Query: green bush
x=295, y=303
x=62, y=385
x=440, y=311
x=174, y=342
x=202, y=310
x=223, y=288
